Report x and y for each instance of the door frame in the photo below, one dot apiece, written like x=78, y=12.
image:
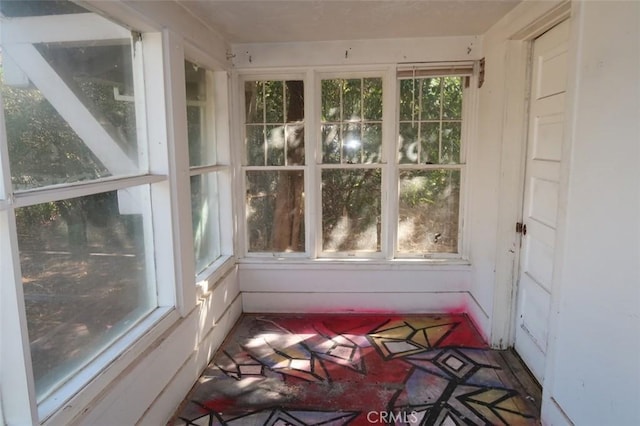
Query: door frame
x=512, y=183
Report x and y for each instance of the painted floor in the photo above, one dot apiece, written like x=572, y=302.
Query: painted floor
x=357, y=370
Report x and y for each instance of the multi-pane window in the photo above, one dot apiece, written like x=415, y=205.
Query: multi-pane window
x=382, y=185
x=430, y=129
x=204, y=168
x=274, y=165
x=80, y=188
x=351, y=171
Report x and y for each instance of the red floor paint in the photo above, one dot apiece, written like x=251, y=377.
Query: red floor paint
x=357, y=370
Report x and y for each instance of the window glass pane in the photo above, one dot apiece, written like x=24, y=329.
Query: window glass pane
x=275, y=211
x=278, y=106
x=199, y=117
x=254, y=101
x=358, y=139
x=331, y=136
x=85, y=278
x=294, y=105
x=451, y=142
x=72, y=118
x=409, y=100
x=431, y=113
x=352, y=143
x=430, y=102
x=452, y=97
x=428, y=211
x=206, y=218
x=331, y=110
x=430, y=143
x=295, y=144
x=372, y=97
x=275, y=145
x=274, y=101
x=352, y=97
x=408, y=143
x=372, y=143
x=255, y=143
x=351, y=200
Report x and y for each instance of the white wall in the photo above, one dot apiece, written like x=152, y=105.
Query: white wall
x=496, y=168
x=594, y=361
x=325, y=287
x=356, y=52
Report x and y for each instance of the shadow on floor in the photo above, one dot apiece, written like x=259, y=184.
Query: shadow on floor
x=359, y=370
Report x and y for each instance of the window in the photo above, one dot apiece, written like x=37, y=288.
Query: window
x=386, y=171
x=351, y=171
x=204, y=167
x=86, y=276
x=274, y=165
x=430, y=130
x=78, y=232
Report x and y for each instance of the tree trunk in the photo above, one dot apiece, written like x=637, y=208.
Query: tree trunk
x=289, y=210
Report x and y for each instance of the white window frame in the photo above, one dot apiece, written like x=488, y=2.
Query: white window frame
x=159, y=75
x=383, y=165
x=312, y=77
x=469, y=94
x=243, y=167
x=217, y=117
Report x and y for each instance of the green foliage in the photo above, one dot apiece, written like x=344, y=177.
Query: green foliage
x=352, y=120
x=43, y=149
x=430, y=120
x=428, y=211
x=351, y=206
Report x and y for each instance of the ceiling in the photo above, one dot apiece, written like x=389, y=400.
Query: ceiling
x=251, y=21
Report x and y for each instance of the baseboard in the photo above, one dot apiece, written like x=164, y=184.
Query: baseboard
x=409, y=302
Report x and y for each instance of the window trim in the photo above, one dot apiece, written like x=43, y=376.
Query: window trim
x=463, y=69
x=241, y=160
x=216, y=133
x=156, y=83
x=383, y=165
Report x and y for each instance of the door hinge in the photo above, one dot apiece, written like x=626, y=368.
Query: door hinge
x=521, y=228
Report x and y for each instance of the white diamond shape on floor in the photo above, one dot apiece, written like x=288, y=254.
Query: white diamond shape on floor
x=454, y=363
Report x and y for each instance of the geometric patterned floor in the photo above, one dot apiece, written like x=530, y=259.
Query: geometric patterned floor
x=358, y=370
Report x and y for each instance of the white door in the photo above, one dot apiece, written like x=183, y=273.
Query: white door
x=544, y=150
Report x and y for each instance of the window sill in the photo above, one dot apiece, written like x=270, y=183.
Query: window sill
x=450, y=264
x=208, y=278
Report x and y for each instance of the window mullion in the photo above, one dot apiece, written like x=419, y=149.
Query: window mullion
x=419, y=141
x=314, y=150
x=390, y=129
x=172, y=87
x=440, y=121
